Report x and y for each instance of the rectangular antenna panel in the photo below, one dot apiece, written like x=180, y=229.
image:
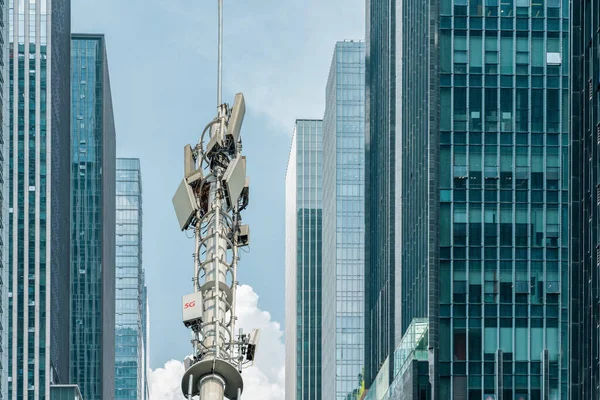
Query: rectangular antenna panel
x=216, y=139
x=244, y=236
x=189, y=163
x=237, y=117
x=234, y=180
x=252, y=344
x=185, y=205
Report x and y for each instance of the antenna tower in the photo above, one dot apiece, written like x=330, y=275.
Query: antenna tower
x=209, y=201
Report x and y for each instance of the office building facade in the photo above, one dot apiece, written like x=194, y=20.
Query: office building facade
x=38, y=137
x=380, y=183
x=93, y=162
x=146, y=340
x=303, y=262
x=4, y=135
x=343, y=224
x=131, y=318
x=482, y=151
x=585, y=199
x=503, y=200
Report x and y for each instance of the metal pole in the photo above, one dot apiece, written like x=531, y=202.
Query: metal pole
x=212, y=387
x=234, y=286
x=218, y=257
x=197, y=254
x=196, y=279
x=220, y=55
x=190, y=387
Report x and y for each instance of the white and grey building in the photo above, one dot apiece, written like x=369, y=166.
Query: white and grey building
x=303, y=220
x=37, y=140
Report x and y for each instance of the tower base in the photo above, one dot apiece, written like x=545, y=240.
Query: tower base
x=205, y=368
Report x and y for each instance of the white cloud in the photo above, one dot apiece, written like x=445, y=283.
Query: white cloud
x=264, y=381
x=165, y=383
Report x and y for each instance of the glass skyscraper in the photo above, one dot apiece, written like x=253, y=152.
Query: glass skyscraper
x=38, y=141
x=482, y=156
x=343, y=223
x=380, y=184
x=303, y=261
x=93, y=162
x=585, y=201
x=145, y=365
x=4, y=277
x=503, y=198
x=131, y=303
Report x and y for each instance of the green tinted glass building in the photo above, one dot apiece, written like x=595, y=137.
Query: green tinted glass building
x=37, y=101
x=131, y=293
x=503, y=198
x=482, y=111
x=303, y=262
x=343, y=223
x=4, y=278
x=92, y=220
x=585, y=200
x=380, y=185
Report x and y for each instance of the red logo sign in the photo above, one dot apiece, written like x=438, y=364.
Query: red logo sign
x=191, y=304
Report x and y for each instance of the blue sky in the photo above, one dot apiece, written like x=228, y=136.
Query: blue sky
x=162, y=60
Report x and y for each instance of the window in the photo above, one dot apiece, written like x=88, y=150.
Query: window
x=491, y=110
x=460, y=213
x=475, y=99
x=537, y=8
x=476, y=54
x=460, y=345
x=537, y=110
x=522, y=110
x=445, y=109
x=445, y=224
x=460, y=109
x=460, y=49
x=490, y=336
x=476, y=7
x=506, y=8
x=491, y=8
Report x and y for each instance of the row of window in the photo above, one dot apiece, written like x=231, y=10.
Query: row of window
x=507, y=8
